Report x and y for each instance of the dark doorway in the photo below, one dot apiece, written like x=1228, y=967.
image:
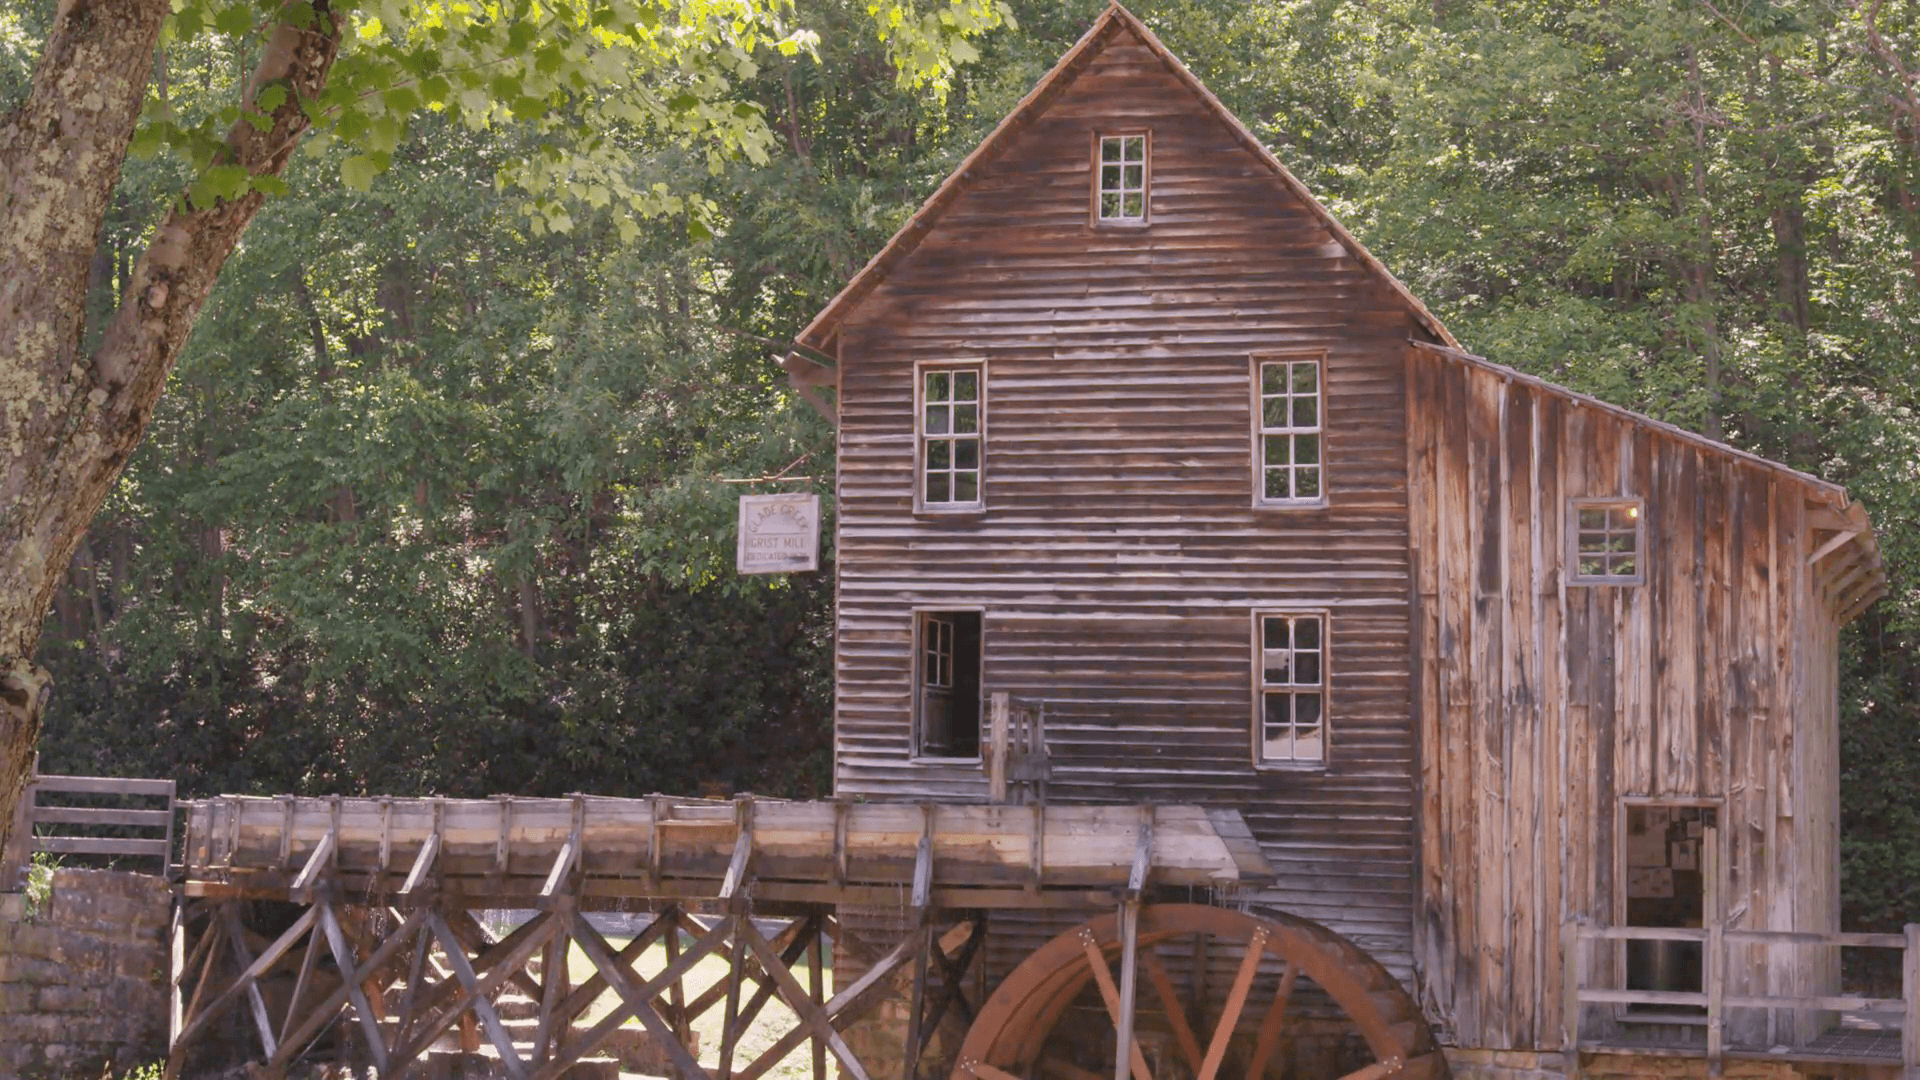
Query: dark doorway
x=1667, y=850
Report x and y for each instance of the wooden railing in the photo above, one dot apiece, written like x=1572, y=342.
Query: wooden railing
x=1716, y=941
x=1016, y=755
x=155, y=822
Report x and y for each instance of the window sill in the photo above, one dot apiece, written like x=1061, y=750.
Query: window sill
x=960, y=762
x=1591, y=582
x=966, y=510
x=1290, y=766
x=1291, y=504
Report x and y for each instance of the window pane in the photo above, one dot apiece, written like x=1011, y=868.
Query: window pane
x=1306, y=669
x=1308, y=746
x=1306, y=709
x=1306, y=635
x=1306, y=449
x=1134, y=177
x=1275, y=633
x=1276, y=667
x=1624, y=567
x=1109, y=206
x=936, y=419
x=1135, y=147
x=937, y=490
x=966, y=487
x=1306, y=377
x=1277, y=484
x=936, y=386
x=1278, y=711
x=1273, y=412
x=966, y=418
x=1593, y=517
x=966, y=453
x=1110, y=178
x=1306, y=411
x=1621, y=542
x=1277, y=746
x=1133, y=206
x=966, y=386
x=1277, y=449
x=1624, y=517
x=939, y=454
x=1306, y=482
x=1109, y=149
x=1273, y=379
x=1592, y=566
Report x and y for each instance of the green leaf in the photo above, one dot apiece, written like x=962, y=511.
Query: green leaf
x=271, y=185
x=270, y=97
x=358, y=172
x=402, y=100
x=147, y=141
x=435, y=89
x=235, y=21
x=684, y=101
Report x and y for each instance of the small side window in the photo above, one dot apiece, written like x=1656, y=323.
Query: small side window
x=1290, y=700
x=1120, y=179
x=951, y=423
x=947, y=690
x=1606, y=542
x=1288, y=406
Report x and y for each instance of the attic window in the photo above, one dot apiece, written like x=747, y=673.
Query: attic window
x=1608, y=542
x=1120, y=194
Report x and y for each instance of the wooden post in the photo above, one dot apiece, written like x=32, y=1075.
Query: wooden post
x=997, y=750
x=1129, y=968
x=729, y=1024
x=1572, y=970
x=19, y=852
x=916, y=1009
x=816, y=980
x=1716, y=972
x=1910, y=993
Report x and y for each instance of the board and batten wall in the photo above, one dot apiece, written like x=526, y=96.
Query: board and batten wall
x=1540, y=704
x=1119, y=558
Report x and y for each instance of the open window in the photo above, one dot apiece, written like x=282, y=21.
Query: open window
x=947, y=684
x=1121, y=176
x=1667, y=853
x=1290, y=694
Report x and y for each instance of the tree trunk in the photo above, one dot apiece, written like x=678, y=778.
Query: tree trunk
x=69, y=422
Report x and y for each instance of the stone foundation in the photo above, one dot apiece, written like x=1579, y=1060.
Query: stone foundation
x=83, y=984
x=1468, y=1064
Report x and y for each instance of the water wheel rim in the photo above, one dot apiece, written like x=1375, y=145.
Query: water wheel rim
x=1014, y=1023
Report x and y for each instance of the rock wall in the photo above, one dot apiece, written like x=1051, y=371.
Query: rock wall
x=83, y=984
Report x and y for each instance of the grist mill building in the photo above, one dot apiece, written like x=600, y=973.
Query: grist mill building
x=1133, y=431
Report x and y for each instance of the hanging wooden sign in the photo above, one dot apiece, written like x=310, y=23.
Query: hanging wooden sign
x=779, y=534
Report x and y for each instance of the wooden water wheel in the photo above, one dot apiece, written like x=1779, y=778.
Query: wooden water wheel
x=1045, y=1022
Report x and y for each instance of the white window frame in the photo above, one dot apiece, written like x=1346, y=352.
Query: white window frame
x=1261, y=431
x=921, y=438
x=1636, y=508
x=1260, y=688
x=920, y=613
x=1098, y=188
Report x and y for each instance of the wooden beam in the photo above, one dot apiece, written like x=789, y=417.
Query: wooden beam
x=503, y=958
x=1832, y=545
x=742, y=851
x=583, y=1044
x=356, y=994
x=323, y=1014
x=816, y=988
x=916, y=1006
x=797, y=1000
x=423, y=862
x=845, y=1006
x=1272, y=1024
x=476, y=994
x=237, y=941
x=301, y=891
x=1110, y=994
x=997, y=748
x=988, y=1072
x=307, y=959
x=1175, y=1010
x=553, y=983
x=923, y=867
x=1142, y=854
x=1236, y=1002
x=618, y=977
x=730, y=1020
x=1129, y=966
x=176, y=1045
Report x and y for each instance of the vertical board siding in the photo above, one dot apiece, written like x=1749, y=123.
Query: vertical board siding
x=1119, y=558
x=1539, y=704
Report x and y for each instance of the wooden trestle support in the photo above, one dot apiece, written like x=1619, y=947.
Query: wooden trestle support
x=292, y=927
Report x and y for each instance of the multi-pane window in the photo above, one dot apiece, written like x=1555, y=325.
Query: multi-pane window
x=1291, y=708
x=1122, y=195
x=1289, y=431
x=937, y=660
x=950, y=427
x=1608, y=537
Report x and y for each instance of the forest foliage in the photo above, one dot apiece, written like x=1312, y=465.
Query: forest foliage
x=439, y=498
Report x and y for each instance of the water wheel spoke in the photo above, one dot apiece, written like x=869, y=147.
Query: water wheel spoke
x=1270, y=1025
x=1176, y=1011
x=1236, y=1003
x=1379, y=1070
x=1110, y=995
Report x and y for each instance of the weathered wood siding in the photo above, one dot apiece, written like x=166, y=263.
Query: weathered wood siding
x=1540, y=704
x=1119, y=557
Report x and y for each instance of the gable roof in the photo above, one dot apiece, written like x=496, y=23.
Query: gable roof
x=1113, y=21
